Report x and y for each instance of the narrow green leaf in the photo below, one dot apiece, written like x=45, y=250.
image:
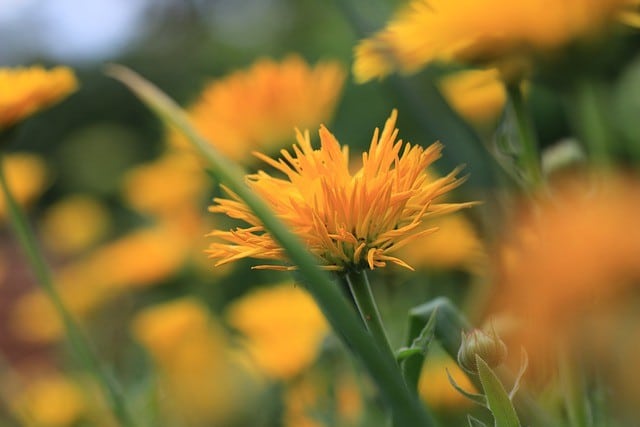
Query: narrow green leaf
x=477, y=398
x=420, y=344
x=498, y=400
x=474, y=422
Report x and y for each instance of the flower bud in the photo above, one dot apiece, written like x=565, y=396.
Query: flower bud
x=487, y=345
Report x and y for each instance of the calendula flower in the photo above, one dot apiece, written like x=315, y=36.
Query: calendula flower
x=50, y=400
x=258, y=108
x=283, y=327
x=26, y=176
x=25, y=91
x=477, y=95
x=569, y=261
x=200, y=382
x=74, y=224
x=348, y=220
x=481, y=32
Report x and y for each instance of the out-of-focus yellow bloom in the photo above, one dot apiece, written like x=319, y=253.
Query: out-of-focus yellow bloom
x=199, y=383
x=74, y=224
x=139, y=259
x=480, y=32
x=257, y=109
x=434, y=386
x=477, y=95
x=455, y=246
x=310, y=397
x=26, y=176
x=569, y=258
x=165, y=186
x=25, y=91
x=347, y=220
x=283, y=327
x=50, y=401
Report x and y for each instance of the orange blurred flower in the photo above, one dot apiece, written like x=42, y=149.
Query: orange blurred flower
x=26, y=176
x=569, y=259
x=346, y=219
x=283, y=327
x=481, y=32
x=257, y=108
x=25, y=91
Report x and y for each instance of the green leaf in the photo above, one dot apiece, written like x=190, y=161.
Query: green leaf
x=498, y=400
x=474, y=422
x=477, y=398
x=420, y=345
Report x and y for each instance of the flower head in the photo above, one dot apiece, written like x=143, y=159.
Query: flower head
x=283, y=327
x=348, y=220
x=25, y=91
x=258, y=108
x=480, y=32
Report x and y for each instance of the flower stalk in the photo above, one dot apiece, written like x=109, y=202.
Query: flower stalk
x=529, y=159
x=361, y=290
x=80, y=346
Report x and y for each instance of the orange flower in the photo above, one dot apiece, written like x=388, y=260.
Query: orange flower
x=571, y=259
x=348, y=220
x=481, y=32
x=259, y=107
x=25, y=91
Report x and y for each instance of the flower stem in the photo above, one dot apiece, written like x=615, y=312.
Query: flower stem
x=405, y=407
x=529, y=160
x=587, y=117
x=76, y=339
x=361, y=290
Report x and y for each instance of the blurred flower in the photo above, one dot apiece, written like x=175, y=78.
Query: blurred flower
x=283, y=328
x=480, y=32
x=455, y=246
x=434, y=386
x=309, y=400
x=570, y=257
x=347, y=220
x=26, y=176
x=49, y=401
x=199, y=383
x=258, y=108
x=74, y=224
x=25, y=91
x=142, y=258
x=477, y=95
x=169, y=184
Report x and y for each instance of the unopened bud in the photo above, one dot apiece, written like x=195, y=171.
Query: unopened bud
x=487, y=345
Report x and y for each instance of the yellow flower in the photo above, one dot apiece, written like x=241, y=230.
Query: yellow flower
x=259, y=107
x=74, y=224
x=348, y=220
x=434, y=386
x=569, y=259
x=455, y=245
x=480, y=32
x=283, y=327
x=167, y=185
x=199, y=383
x=26, y=176
x=49, y=401
x=25, y=91
x=477, y=95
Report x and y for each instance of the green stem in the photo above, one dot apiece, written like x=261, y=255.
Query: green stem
x=529, y=160
x=587, y=118
x=406, y=409
x=76, y=339
x=572, y=384
x=361, y=290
